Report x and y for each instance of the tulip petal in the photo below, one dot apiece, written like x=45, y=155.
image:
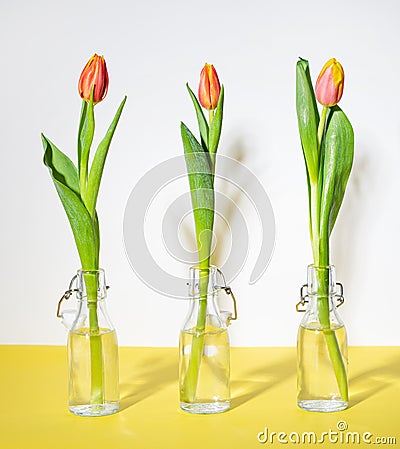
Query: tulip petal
x=209, y=87
x=94, y=76
x=330, y=82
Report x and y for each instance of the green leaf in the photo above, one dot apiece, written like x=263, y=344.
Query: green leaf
x=215, y=127
x=96, y=170
x=65, y=178
x=81, y=225
x=338, y=156
x=309, y=202
x=81, y=123
x=308, y=118
x=202, y=191
x=63, y=169
x=96, y=232
x=203, y=125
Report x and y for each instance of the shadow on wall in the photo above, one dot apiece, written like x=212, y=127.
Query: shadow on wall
x=352, y=216
x=237, y=152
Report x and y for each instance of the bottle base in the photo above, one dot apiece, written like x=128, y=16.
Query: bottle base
x=205, y=408
x=323, y=405
x=93, y=410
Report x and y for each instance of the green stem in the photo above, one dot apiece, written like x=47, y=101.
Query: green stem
x=320, y=245
x=96, y=350
x=83, y=180
x=211, y=113
x=337, y=362
x=323, y=304
x=192, y=374
x=314, y=216
x=319, y=252
x=321, y=125
x=188, y=392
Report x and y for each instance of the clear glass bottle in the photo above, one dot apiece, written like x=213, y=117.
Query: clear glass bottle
x=322, y=345
x=204, y=362
x=92, y=351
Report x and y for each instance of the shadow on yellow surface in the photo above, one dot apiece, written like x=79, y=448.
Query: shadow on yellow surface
x=371, y=381
x=35, y=412
x=255, y=382
x=146, y=378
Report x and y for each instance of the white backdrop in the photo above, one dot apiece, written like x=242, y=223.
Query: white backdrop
x=152, y=49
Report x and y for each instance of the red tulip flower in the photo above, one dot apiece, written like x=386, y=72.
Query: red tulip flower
x=209, y=87
x=94, y=74
x=329, y=85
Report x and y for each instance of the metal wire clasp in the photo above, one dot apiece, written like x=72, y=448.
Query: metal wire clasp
x=339, y=296
x=228, y=291
x=304, y=297
x=66, y=295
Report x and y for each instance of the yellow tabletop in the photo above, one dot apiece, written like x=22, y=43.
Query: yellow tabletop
x=34, y=413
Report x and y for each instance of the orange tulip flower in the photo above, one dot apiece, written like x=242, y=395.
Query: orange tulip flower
x=209, y=87
x=94, y=74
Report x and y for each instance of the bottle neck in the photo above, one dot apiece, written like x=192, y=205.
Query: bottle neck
x=91, y=296
x=202, y=282
x=321, y=281
x=91, y=285
x=321, y=296
x=312, y=302
x=204, y=288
